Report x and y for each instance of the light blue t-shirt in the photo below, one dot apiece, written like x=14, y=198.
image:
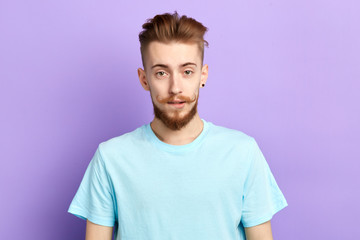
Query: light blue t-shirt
x=209, y=189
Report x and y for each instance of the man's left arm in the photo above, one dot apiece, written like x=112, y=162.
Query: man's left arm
x=259, y=232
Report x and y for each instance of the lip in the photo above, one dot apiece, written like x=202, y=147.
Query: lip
x=177, y=104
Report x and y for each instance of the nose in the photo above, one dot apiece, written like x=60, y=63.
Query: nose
x=175, y=84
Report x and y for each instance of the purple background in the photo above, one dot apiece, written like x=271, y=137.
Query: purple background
x=284, y=72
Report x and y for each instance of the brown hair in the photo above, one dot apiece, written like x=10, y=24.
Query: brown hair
x=171, y=27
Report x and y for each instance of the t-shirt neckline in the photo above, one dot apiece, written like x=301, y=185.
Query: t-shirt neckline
x=176, y=148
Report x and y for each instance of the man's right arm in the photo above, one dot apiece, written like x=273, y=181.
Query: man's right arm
x=98, y=232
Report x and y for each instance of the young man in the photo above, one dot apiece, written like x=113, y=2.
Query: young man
x=178, y=177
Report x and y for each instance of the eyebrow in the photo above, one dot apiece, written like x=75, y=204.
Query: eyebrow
x=166, y=66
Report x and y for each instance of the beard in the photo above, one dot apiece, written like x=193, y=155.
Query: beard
x=176, y=122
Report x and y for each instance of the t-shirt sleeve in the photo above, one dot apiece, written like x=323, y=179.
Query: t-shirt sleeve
x=94, y=197
x=262, y=197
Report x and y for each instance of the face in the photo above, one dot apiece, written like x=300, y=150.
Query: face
x=173, y=74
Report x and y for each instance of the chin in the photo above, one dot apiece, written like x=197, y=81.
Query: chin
x=177, y=120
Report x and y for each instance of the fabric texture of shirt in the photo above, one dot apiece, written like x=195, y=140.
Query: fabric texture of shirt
x=209, y=189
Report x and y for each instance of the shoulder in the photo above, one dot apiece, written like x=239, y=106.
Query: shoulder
x=230, y=135
x=124, y=141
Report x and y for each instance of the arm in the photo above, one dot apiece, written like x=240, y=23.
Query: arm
x=98, y=232
x=259, y=232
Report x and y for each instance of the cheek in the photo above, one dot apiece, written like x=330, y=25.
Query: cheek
x=156, y=92
x=159, y=89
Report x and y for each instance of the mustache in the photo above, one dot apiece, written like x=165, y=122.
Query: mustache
x=180, y=97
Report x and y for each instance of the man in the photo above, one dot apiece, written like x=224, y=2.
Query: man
x=179, y=177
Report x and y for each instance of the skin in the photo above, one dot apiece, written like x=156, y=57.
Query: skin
x=97, y=232
x=173, y=81
x=259, y=232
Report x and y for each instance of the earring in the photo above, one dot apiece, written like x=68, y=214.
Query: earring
x=203, y=85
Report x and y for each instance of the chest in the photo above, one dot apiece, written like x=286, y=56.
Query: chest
x=164, y=182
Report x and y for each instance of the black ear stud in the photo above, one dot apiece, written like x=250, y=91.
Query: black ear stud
x=203, y=85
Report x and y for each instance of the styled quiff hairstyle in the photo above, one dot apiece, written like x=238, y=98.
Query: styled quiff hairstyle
x=171, y=27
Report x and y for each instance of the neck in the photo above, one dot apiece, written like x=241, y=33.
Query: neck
x=181, y=137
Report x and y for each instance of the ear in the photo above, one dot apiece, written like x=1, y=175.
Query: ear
x=143, y=81
x=204, y=75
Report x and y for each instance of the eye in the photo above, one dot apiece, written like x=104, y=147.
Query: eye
x=160, y=74
x=188, y=72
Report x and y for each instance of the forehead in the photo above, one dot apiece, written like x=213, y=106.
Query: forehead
x=173, y=53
